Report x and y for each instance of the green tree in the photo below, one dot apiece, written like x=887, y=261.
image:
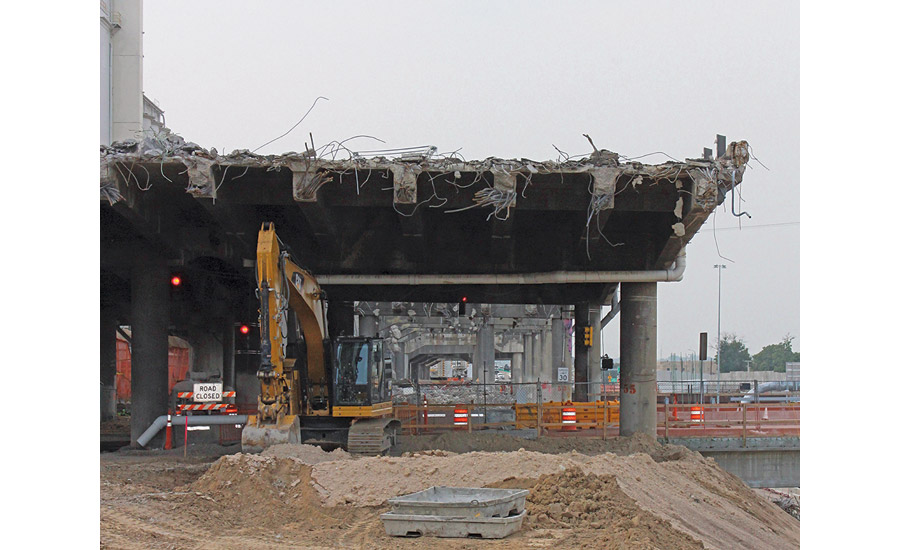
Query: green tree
x=734, y=354
x=774, y=356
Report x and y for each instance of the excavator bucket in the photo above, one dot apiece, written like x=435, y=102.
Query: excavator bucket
x=257, y=437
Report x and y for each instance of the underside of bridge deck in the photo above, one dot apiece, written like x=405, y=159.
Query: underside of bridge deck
x=420, y=228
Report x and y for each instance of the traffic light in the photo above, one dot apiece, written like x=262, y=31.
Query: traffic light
x=242, y=332
x=179, y=284
x=462, y=306
x=606, y=363
x=588, y=336
x=246, y=335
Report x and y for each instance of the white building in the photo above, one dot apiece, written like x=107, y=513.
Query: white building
x=125, y=113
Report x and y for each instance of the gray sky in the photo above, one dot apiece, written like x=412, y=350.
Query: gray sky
x=512, y=80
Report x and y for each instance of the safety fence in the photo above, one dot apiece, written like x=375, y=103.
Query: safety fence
x=728, y=420
x=550, y=409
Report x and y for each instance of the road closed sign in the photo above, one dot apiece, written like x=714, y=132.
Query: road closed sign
x=208, y=392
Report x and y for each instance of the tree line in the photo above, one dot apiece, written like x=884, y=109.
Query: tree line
x=771, y=358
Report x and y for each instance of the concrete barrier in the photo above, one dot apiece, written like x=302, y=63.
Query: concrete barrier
x=763, y=462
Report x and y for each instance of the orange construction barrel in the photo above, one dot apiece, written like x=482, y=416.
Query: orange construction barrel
x=460, y=418
x=697, y=414
x=568, y=419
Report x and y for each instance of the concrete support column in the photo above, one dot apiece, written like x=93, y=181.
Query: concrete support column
x=558, y=343
x=207, y=357
x=228, y=329
x=515, y=368
x=108, y=325
x=400, y=364
x=528, y=358
x=637, y=396
x=582, y=320
x=595, y=372
x=547, y=365
x=149, y=345
x=340, y=319
x=368, y=326
x=484, y=353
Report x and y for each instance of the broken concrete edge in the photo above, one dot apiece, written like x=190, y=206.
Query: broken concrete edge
x=711, y=178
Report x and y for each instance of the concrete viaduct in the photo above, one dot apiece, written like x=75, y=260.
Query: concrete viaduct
x=417, y=228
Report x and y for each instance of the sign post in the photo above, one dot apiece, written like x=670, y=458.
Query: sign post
x=703, y=338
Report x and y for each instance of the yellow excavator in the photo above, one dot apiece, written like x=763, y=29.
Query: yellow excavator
x=313, y=389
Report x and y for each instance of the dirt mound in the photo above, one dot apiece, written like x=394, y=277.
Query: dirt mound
x=573, y=499
x=255, y=501
x=266, y=491
x=257, y=484
x=371, y=481
x=693, y=493
x=464, y=442
x=307, y=454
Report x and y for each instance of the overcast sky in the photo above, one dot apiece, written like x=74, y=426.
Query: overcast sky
x=512, y=80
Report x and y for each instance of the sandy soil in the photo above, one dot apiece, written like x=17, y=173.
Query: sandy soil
x=464, y=442
x=299, y=498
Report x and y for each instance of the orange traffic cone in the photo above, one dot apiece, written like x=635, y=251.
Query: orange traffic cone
x=168, y=433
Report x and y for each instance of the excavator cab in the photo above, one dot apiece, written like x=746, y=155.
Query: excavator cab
x=359, y=374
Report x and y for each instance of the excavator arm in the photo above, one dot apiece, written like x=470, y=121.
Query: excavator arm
x=294, y=392
x=285, y=288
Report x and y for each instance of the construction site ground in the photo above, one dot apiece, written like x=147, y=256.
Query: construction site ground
x=624, y=493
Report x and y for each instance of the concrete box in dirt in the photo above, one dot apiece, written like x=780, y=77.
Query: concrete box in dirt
x=461, y=502
x=402, y=525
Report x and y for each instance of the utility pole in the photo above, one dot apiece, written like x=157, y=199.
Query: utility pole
x=720, y=267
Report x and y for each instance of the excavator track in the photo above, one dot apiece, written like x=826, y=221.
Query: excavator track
x=373, y=436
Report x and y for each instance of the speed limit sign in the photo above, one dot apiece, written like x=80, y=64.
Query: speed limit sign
x=563, y=375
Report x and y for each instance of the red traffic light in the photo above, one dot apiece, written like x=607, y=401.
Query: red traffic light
x=244, y=329
x=176, y=280
x=464, y=299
